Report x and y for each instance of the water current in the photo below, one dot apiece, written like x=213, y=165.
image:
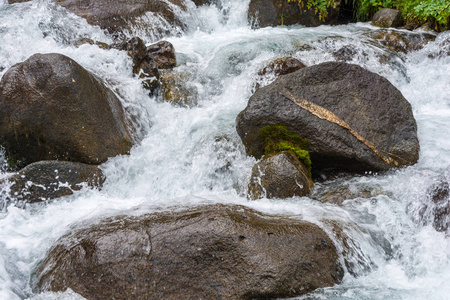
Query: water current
x=186, y=155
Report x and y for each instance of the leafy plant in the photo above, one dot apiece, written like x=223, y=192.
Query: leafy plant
x=277, y=138
x=320, y=6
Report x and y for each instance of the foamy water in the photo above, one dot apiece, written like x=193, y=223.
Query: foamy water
x=185, y=157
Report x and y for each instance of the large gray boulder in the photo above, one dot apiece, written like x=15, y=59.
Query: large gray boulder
x=54, y=109
x=210, y=252
x=354, y=120
x=387, y=17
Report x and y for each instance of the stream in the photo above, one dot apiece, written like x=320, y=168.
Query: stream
x=190, y=154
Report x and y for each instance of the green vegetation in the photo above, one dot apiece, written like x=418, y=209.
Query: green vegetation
x=436, y=12
x=277, y=138
x=319, y=6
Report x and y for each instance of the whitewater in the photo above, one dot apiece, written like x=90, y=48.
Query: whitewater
x=188, y=155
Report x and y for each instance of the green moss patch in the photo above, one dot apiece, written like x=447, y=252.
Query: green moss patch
x=277, y=138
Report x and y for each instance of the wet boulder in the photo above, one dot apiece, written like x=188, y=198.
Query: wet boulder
x=117, y=15
x=210, y=252
x=387, y=17
x=163, y=53
x=54, y=109
x=47, y=180
x=353, y=119
x=280, y=176
x=264, y=13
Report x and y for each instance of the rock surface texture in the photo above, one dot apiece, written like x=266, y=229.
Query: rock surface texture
x=279, y=176
x=46, y=180
x=53, y=109
x=387, y=17
x=354, y=120
x=210, y=252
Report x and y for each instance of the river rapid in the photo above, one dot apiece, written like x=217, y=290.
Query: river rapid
x=190, y=155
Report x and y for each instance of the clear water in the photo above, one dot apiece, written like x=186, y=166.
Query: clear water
x=190, y=156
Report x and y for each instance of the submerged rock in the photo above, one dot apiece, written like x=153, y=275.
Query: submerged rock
x=53, y=109
x=354, y=120
x=440, y=206
x=387, y=17
x=280, y=176
x=210, y=252
x=176, y=88
x=46, y=180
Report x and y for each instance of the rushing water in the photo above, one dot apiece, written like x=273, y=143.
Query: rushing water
x=191, y=155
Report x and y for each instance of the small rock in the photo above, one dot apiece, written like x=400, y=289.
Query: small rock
x=387, y=17
x=144, y=65
x=282, y=66
x=279, y=176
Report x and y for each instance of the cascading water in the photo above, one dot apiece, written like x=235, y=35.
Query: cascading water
x=186, y=156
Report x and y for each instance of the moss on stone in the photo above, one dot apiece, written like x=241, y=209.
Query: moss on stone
x=277, y=138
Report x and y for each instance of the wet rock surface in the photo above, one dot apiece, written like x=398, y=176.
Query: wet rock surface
x=54, y=109
x=354, y=120
x=176, y=88
x=144, y=66
x=46, y=180
x=440, y=206
x=279, y=176
x=282, y=66
x=209, y=252
x=116, y=15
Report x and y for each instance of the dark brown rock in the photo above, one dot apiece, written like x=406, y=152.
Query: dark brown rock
x=210, y=252
x=201, y=2
x=46, y=180
x=53, y=109
x=281, y=12
x=282, y=66
x=387, y=17
x=279, y=176
x=164, y=54
x=137, y=51
x=116, y=15
x=354, y=120
x=144, y=66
